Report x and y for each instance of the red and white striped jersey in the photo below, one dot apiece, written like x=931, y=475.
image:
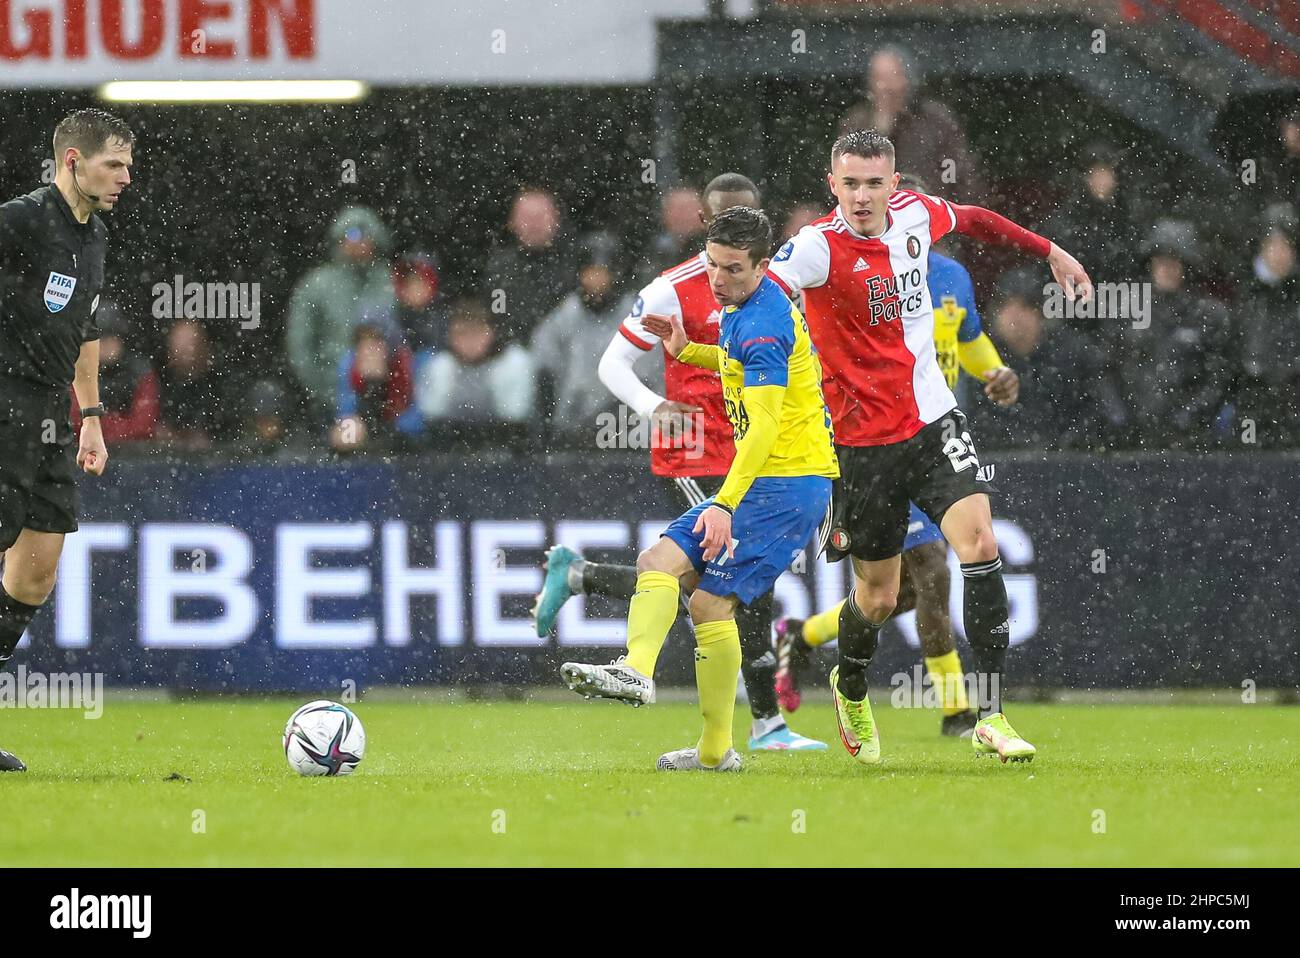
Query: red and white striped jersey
x=684, y=291
x=867, y=301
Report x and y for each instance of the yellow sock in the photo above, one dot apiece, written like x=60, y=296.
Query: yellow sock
x=824, y=626
x=717, y=662
x=949, y=682
x=649, y=617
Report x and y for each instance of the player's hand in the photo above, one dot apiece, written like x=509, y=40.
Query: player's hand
x=667, y=328
x=1002, y=385
x=92, y=454
x=670, y=419
x=716, y=525
x=1070, y=274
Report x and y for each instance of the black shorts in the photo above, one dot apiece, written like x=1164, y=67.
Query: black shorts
x=935, y=468
x=38, y=464
x=690, y=491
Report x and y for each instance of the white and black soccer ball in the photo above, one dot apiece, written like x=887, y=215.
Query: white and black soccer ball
x=324, y=738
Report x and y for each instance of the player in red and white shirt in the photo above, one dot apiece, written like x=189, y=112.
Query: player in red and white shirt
x=899, y=434
x=691, y=451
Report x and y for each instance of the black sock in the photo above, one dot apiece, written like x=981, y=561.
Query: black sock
x=858, y=639
x=617, y=581
x=987, y=629
x=757, y=659
x=800, y=652
x=14, y=619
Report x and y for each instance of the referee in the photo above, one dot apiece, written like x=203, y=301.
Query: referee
x=52, y=247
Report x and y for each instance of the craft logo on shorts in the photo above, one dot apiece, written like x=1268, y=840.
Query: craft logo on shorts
x=913, y=247
x=58, y=291
x=840, y=538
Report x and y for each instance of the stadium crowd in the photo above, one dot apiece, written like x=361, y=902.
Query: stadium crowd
x=382, y=358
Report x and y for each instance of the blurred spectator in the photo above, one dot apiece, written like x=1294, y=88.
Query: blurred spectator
x=421, y=313
x=1270, y=333
x=569, y=343
x=264, y=432
x=480, y=377
x=925, y=134
x=1096, y=224
x=682, y=234
x=800, y=216
x=192, y=403
x=128, y=386
x=527, y=277
x=332, y=299
x=1068, y=399
x=375, y=392
x=1280, y=176
x=1175, y=372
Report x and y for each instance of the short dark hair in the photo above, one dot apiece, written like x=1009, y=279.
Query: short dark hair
x=910, y=181
x=867, y=144
x=89, y=131
x=742, y=227
x=732, y=183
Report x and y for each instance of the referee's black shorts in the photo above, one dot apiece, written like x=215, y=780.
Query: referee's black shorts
x=38, y=462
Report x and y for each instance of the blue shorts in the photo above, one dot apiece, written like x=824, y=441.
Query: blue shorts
x=775, y=520
x=921, y=530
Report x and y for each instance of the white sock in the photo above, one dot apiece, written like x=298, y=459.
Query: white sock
x=574, y=575
x=762, y=727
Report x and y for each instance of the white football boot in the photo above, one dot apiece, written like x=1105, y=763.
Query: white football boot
x=613, y=681
x=688, y=760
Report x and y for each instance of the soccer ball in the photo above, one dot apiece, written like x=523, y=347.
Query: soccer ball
x=324, y=738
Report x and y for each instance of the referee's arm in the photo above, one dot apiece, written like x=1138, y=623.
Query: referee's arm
x=92, y=454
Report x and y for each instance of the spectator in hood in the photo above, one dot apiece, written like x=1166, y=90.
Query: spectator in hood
x=569, y=343
x=1068, y=398
x=421, y=313
x=128, y=385
x=1270, y=333
x=1176, y=365
x=193, y=404
x=528, y=276
x=1280, y=176
x=264, y=432
x=331, y=300
x=375, y=392
x=480, y=377
x=1095, y=221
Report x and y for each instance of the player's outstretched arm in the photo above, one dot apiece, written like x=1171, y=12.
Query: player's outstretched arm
x=993, y=228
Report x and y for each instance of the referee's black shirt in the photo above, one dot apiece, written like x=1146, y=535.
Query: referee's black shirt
x=51, y=275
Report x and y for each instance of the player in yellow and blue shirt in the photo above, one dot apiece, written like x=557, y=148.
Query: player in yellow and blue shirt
x=731, y=548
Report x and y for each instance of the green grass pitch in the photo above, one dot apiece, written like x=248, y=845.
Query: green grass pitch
x=573, y=783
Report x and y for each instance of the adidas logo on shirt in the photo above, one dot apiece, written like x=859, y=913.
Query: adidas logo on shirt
x=860, y=265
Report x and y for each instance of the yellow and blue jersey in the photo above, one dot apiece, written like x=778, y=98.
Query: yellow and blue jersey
x=765, y=342
x=956, y=320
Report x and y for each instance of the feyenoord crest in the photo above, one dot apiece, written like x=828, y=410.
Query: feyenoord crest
x=840, y=539
x=913, y=247
x=58, y=291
